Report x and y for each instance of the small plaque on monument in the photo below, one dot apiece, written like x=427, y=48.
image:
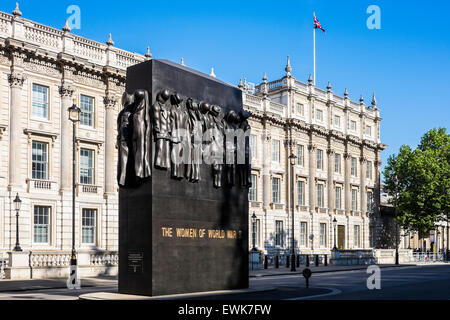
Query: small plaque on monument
x=135, y=262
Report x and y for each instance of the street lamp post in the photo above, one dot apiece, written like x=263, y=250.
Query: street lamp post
x=396, y=220
x=335, y=234
x=74, y=116
x=292, y=159
x=438, y=233
x=447, y=249
x=17, y=204
x=254, y=231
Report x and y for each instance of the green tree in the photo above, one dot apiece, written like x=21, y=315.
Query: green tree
x=419, y=181
x=439, y=141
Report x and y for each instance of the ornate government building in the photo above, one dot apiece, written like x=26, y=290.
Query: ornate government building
x=42, y=69
x=337, y=170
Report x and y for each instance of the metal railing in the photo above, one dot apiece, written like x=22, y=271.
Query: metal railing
x=4, y=260
x=281, y=260
x=428, y=257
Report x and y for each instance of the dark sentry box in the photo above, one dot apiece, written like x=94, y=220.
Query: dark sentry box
x=150, y=264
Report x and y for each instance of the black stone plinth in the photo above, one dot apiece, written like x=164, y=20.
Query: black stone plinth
x=153, y=264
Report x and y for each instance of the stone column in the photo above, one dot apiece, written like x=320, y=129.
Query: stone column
x=16, y=80
x=66, y=91
x=110, y=103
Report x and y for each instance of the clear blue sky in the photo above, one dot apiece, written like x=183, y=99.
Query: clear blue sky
x=407, y=62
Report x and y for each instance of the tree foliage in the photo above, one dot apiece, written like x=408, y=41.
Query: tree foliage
x=418, y=181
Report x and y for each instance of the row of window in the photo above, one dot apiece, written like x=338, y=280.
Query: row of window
x=42, y=225
x=319, y=158
x=303, y=239
x=40, y=105
x=336, y=119
x=40, y=163
x=301, y=194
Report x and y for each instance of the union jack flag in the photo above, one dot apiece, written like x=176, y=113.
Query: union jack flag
x=317, y=24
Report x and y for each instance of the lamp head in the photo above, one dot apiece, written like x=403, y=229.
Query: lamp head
x=17, y=202
x=292, y=159
x=74, y=112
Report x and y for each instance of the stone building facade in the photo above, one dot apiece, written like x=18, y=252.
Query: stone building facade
x=337, y=172
x=42, y=70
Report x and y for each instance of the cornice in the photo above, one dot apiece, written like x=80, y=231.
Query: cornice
x=319, y=130
x=353, y=140
x=337, y=135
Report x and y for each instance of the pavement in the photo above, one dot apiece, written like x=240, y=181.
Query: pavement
x=57, y=283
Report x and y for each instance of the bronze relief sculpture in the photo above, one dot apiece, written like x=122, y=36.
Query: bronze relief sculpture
x=244, y=169
x=185, y=133
x=178, y=125
x=232, y=119
x=141, y=135
x=194, y=127
x=217, y=125
x=124, y=137
x=162, y=130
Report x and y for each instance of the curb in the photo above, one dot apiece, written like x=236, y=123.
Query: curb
x=332, y=293
x=118, y=296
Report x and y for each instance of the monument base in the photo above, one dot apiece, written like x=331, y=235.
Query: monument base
x=119, y=296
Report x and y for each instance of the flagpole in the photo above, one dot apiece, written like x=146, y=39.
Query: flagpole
x=314, y=51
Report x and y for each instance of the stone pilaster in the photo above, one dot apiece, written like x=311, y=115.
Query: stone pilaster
x=66, y=91
x=110, y=103
x=330, y=154
x=266, y=169
x=312, y=185
x=376, y=221
x=16, y=80
x=266, y=182
x=312, y=176
x=363, y=197
x=347, y=190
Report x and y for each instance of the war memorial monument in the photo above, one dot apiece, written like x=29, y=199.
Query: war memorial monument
x=184, y=179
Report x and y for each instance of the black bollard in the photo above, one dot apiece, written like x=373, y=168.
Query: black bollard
x=317, y=260
x=277, y=262
x=325, y=260
x=307, y=260
x=298, y=261
x=307, y=274
x=288, y=259
x=266, y=262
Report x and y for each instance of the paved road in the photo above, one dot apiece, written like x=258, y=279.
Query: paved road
x=419, y=282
